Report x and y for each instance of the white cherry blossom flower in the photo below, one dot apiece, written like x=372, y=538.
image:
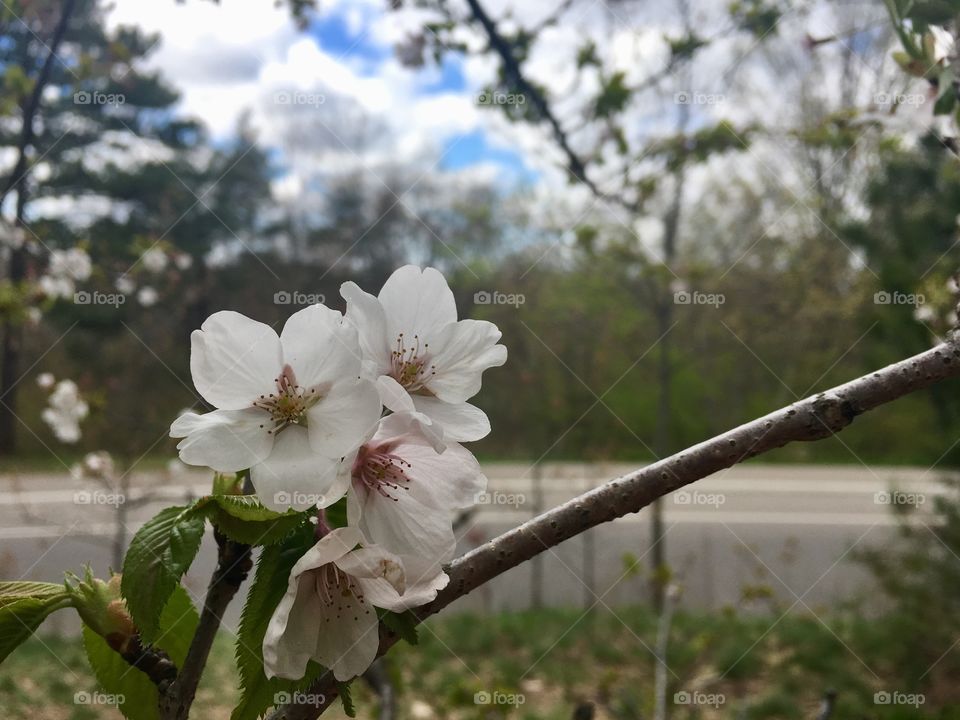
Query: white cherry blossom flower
x=288, y=407
x=46, y=380
x=73, y=263
x=66, y=409
x=404, y=495
x=147, y=296
x=154, y=260
x=424, y=360
x=328, y=612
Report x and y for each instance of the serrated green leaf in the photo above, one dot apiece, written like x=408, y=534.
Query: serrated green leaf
x=11, y=591
x=244, y=519
x=403, y=624
x=269, y=584
x=160, y=553
x=177, y=624
x=21, y=617
x=346, y=697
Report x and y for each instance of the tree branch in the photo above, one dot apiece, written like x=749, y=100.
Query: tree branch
x=151, y=661
x=813, y=418
x=233, y=564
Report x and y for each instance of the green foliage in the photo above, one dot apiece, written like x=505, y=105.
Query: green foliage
x=159, y=554
x=177, y=624
x=403, y=624
x=23, y=606
x=244, y=519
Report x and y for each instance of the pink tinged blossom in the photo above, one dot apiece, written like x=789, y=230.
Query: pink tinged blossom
x=426, y=362
x=328, y=612
x=404, y=495
x=288, y=407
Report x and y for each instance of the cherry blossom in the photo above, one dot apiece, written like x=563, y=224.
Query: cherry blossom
x=328, y=612
x=288, y=407
x=404, y=495
x=425, y=361
x=65, y=411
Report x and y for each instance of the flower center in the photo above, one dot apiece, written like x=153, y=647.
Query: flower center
x=289, y=404
x=377, y=469
x=331, y=583
x=410, y=366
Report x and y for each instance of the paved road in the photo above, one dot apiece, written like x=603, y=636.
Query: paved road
x=792, y=528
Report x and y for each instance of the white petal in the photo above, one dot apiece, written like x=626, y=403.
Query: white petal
x=461, y=422
x=319, y=347
x=396, y=398
x=331, y=547
x=344, y=417
x=373, y=563
x=417, y=302
x=224, y=440
x=365, y=313
x=293, y=475
x=424, y=578
x=291, y=636
x=461, y=352
x=349, y=636
x=234, y=360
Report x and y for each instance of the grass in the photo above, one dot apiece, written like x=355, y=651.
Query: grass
x=735, y=666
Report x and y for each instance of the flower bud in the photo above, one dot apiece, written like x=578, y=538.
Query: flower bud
x=102, y=608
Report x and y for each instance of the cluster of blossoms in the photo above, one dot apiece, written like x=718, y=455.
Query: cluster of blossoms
x=65, y=408
x=304, y=411
x=64, y=270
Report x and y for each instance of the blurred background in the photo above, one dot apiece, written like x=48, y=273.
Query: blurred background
x=682, y=215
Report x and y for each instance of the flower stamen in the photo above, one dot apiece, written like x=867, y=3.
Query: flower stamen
x=289, y=404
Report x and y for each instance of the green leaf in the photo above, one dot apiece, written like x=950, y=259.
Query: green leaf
x=11, y=591
x=160, y=553
x=136, y=693
x=403, y=624
x=269, y=585
x=946, y=92
x=20, y=617
x=346, y=697
x=244, y=519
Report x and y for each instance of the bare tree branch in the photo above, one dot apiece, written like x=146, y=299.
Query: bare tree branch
x=814, y=418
